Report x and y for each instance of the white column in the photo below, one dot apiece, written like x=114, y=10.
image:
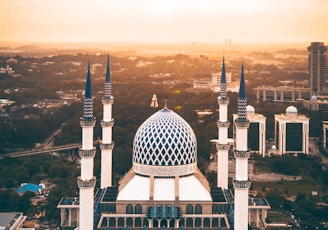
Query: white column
x=107, y=143
x=86, y=181
x=241, y=183
x=222, y=144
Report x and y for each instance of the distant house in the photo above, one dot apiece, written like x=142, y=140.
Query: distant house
x=29, y=187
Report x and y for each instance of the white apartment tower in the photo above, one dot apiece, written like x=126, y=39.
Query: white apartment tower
x=222, y=144
x=87, y=181
x=241, y=183
x=107, y=128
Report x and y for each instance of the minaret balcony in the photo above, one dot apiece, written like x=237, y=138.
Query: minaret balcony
x=222, y=101
x=223, y=124
x=222, y=146
x=87, y=153
x=108, y=100
x=106, y=146
x=241, y=184
x=242, y=154
x=87, y=123
x=107, y=123
x=242, y=124
x=86, y=183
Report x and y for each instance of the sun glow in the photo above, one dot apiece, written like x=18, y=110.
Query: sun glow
x=163, y=20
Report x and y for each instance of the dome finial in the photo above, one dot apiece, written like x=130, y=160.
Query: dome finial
x=165, y=103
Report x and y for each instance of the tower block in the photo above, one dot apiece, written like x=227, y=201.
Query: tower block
x=222, y=144
x=241, y=183
x=87, y=181
x=107, y=123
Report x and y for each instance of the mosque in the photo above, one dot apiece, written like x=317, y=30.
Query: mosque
x=164, y=188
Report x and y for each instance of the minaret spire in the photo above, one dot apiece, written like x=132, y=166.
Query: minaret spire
x=108, y=84
x=223, y=90
x=87, y=181
x=222, y=144
x=242, y=100
x=88, y=103
x=107, y=123
x=241, y=183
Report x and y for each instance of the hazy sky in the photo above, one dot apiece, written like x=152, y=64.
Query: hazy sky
x=163, y=20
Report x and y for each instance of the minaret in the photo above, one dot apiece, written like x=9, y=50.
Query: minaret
x=154, y=103
x=107, y=127
x=87, y=181
x=241, y=182
x=222, y=144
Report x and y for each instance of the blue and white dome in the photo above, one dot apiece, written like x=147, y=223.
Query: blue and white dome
x=165, y=145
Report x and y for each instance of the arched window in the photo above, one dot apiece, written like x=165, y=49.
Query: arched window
x=198, y=209
x=163, y=223
x=189, y=223
x=145, y=223
x=155, y=223
x=189, y=209
x=207, y=222
x=198, y=222
x=138, y=209
x=129, y=222
x=129, y=209
x=215, y=222
x=137, y=222
x=171, y=223
x=112, y=222
x=120, y=222
x=181, y=222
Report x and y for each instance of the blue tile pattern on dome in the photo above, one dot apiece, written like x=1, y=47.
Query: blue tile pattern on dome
x=165, y=139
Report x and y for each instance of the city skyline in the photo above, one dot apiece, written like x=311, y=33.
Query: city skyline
x=163, y=21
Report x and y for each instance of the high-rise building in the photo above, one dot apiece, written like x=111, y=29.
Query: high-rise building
x=317, y=64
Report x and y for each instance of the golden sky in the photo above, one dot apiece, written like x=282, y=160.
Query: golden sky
x=163, y=20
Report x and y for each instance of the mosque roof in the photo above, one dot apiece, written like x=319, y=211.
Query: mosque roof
x=190, y=189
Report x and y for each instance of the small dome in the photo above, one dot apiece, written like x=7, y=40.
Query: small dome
x=250, y=109
x=165, y=145
x=273, y=147
x=291, y=110
x=314, y=97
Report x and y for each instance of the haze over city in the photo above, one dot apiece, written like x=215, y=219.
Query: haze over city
x=163, y=21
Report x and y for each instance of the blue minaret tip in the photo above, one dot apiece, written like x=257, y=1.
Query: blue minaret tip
x=108, y=71
x=223, y=75
x=88, y=92
x=242, y=88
